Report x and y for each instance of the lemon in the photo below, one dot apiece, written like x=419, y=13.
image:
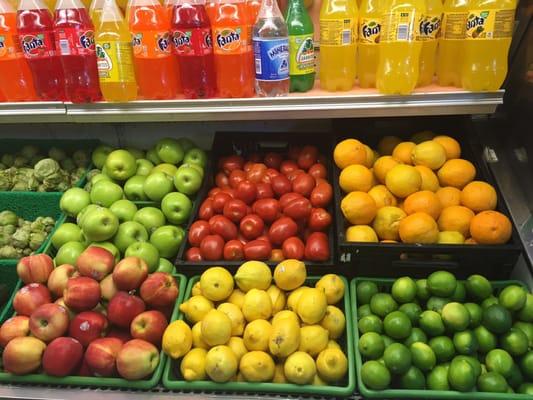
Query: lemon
x=196, y=289
x=332, y=365
x=313, y=339
x=361, y=233
x=257, y=334
x=216, y=328
x=257, y=366
x=294, y=297
x=277, y=297
x=450, y=237
x=332, y=344
x=177, y=339
x=312, y=306
x=193, y=365
x=221, y=364
x=286, y=314
x=236, y=297
x=299, y=368
x=257, y=305
x=284, y=337
x=234, y=313
x=430, y=154
x=253, y=275
x=403, y=180
x=279, y=374
x=216, y=283
x=332, y=286
x=334, y=322
x=317, y=381
x=196, y=308
x=290, y=274
x=236, y=344
x=197, y=339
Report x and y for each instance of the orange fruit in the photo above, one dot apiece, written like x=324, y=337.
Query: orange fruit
x=369, y=157
x=387, y=223
x=418, y=228
x=451, y=146
x=359, y=208
x=361, y=233
x=388, y=241
x=387, y=144
x=422, y=136
x=403, y=180
x=470, y=241
x=348, y=152
x=423, y=201
x=490, y=227
x=456, y=173
x=355, y=178
x=430, y=154
x=449, y=196
x=429, y=179
x=456, y=218
x=402, y=152
x=382, y=196
x=374, y=180
x=383, y=165
x=479, y=196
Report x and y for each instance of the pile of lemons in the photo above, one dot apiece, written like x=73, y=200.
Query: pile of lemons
x=255, y=327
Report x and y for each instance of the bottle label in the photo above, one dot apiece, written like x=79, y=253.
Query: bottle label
x=338, y=32
x=430, y=27
x=454, y=25
x=233, y=40
x=115, y=62
x=74, y=41
x=37, y=45
x=9, y=48
x=369, y=30
x=490, y=24
x=151, y=44
x=271, y=59
x=400, y=26
x=192, y=42
x=302, y=54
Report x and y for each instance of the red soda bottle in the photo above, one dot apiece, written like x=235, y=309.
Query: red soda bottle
x=37, y=40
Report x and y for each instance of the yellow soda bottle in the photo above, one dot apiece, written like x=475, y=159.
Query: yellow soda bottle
x=114, y=55
x=430, y=26
x=399, y=51
x=368, y=42
x=451, y=42
x=95, y=12
x=338, y=44
x=489, y=29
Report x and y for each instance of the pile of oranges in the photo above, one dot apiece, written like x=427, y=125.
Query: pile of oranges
x=417, y=191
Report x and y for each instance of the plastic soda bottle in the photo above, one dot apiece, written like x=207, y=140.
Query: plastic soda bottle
x=231, y=45
x=252, y=8
x=399, y=49
x=430, y=26
x=16, y=82
x=95, y=11
x=114, y=55
x=489, y=29
x=338, y=44
x=193, y=48
x=301, y=47
x=37, y=40
x=368, y=42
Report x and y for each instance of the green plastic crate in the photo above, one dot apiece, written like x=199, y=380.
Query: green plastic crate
x=421, y=394
x=173, y=382
x=99, y=381
x=9, y=284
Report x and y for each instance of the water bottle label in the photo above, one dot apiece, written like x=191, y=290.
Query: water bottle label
x=271, y=59
x=369, y=30
x=9, y=48
x=37, y=45
x=400, y=26
x=233, y=40
x=302, y=54
x=338, y=32
x=151, y=44
x=74, y=41
x=115, y=62
x=454, y=26
x=490, y=24
x=192, y=42
x=429, y=27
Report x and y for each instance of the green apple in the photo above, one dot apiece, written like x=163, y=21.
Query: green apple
x=169, y=150
x=133, y=188
x=167, y=240
x=99, y=224
x=176, y=207
x=195, y=166
x=167, y=168
x=105, y=193
x=147, y=251
x=73, y=201
x=120, y=165
x=186, y=144
x=84, y=240
x=157, y=185
x=135, y=152
x=196, y=156
x=67, y=232
x=109, y=247
x=68, y=253
x=188, y=180
x=128, y=233
x=81, y=214
x=150, y=217
x=100, y=155
x=144, y=166
x=165, y=266
x=100, y=177
x=124, y=210
x=152, y=156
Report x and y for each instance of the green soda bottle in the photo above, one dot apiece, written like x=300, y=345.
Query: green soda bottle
x=301, y=47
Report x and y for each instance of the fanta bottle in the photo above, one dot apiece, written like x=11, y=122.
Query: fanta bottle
x=338, y=44
x=252, y=11
x=368, y=42
x=489, y=29
x=95, y=11
x=193, y=49
x=154, y=67
x=430, y=26
x=231, y=44
x=16, y=82
x=399, y=49
x=37, y=40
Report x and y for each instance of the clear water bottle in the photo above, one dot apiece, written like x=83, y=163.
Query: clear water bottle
x=271, y=51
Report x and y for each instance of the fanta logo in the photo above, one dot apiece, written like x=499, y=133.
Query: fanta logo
x=87, y=40
x=137, y=40
x=279, y=51
x=162, y=42
x=229, y=39
x=371, y=29
x=2, y=44
x=32, y=44
x=474, y=21
x=181, y=39
x=208, y=40
x=427, y=27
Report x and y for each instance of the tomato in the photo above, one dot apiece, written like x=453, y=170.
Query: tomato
x=235, y=210
x=276, y=255
x=220, y=225
x=221, y=180
x=233, y=250
x=230, y=163
x=193, y=254
x=319, y=219
x=214, y=191
x=198, y=230
x=248, y=166
x=255, y=157
x=246, y=191
x=293, y=247
x=297, y=209
x=206, y=210
x=320, y=181
x=212, y=247
x=294, y=152
x=251, y=226
x=293, y=174
x=288, y=166
x=263, y=237
x=267, y=209
x=317, y=247
x=316, y=171
x=281, y=185
x=264, y=191
x=282, y=229
x=287, y=198
x=219, y=200
x=273, y=160
x=256, y=173
x=236, y=177
x=303, y=184
x=242, y=239
x=308, y=156
x=321, y=195
x=269, y=174
x=229, y=191
x=257, y=250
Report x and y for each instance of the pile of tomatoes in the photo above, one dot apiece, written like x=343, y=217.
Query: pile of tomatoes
x=265, y=207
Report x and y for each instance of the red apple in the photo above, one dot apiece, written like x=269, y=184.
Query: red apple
x=48, y=322
x=35, y=268
x=95, y=262
x=129, y=273
x=84, y=369
x=122, y=334
x=57, y=282
x=82, y=293
x=149, y=326
x=101, y=356
x=137, y=359
x=108, y=288
x=17, y=326
x=61, y=302
x=62, y=357
x=123, y=308
x=159, y=289
x=23, y=355
x=30, y=297
x=88, y=326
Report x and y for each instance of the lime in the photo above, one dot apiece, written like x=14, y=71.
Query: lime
x=500, y=361
x=387, y=340
x=526, y=313
x=478, y=287
x=431, y=323
x=413, y=311
x=436, y=303
x=465, y=342
x=443, y=348
x=489, y=301
x=515, y=342
x=423, y=356
x=371, y=345
x=527, y=328
x=526, y=388
x=363, y=311
x=476, y=314
x=382, y=304
x=460, y=292
x=413, y=379
x=365, y=290
x=492, y=382
x=375, y=375
x=438, y=378
x=513, y=297
x=515, y=378
x=404, y=290
x=417, y=335
x=473, y=361
x=442, y=284
x=397, y=358
x=497, y=319
x=370, y=323
x=455, y=317
x=486, y=339
x=461, y=375
x=422, y=292
x=526, y=365
x=397, y=325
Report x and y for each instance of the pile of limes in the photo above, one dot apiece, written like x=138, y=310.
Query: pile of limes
x=442, y=334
